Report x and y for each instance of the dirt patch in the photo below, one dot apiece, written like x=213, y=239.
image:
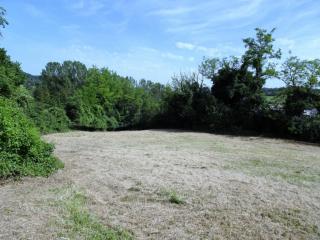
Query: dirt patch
x=174, y=185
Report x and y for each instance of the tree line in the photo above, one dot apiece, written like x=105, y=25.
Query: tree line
x=70, y=95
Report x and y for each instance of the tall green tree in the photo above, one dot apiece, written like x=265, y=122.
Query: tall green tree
x=59, y=82
x=11, y=75
x=239, y=81
x=301, y=78
x=296, y=72
x=259, y=54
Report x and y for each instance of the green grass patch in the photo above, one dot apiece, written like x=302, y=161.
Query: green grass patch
x=79, y=223
x=172, y=196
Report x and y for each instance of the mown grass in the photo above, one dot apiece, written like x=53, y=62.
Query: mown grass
x=78, y=223
x=293, y=221
x=283, y=170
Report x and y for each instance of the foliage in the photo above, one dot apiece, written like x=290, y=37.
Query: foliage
x=298, y=73
x=92, y=116
x=299, y=99
x=305, y=128
x=22, y=152
x=59, y=81
x=238, y=100
x=11, y=76
x=3, y=21
x=258, y=55
x=189, y=103
x=51, y=119
x=109, y=101
x=237, y=82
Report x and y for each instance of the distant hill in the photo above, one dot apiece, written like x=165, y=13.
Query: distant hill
x=275, y=91
x=272, y=91
x=31, y=80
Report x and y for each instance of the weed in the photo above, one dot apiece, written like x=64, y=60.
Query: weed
x=172, y=196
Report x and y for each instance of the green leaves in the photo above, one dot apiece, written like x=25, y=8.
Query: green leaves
x=259, y=52
x=22, y=151
x=296, y=72
x=11, y=76
x=3, y=21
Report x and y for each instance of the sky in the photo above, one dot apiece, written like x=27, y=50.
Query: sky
x=153, y=39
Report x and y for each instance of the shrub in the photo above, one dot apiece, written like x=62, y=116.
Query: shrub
x=92, y=117
x=305, y=128
x=11, y=75
x=53, y=119
x=22, y=152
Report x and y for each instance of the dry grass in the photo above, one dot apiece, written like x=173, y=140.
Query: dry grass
x=171, y=185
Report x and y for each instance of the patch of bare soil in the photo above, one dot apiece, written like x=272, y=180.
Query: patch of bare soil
x=174, y=185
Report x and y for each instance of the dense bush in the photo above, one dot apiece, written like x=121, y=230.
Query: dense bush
x=22, y=152
x=11, y=75
x=299, y=99
x=96, y=99
x=51, y=119
x=92, y=117
x=305, y=128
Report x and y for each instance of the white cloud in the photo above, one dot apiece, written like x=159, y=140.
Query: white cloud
x=192, y=47
x=172, y=56
x=184, y=45
x=286, y=42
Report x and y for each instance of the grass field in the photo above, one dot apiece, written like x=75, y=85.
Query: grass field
x=162, y=184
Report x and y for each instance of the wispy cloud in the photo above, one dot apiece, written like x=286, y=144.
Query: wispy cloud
x=286, y=43
x=204, y=50
x=165, y=54
x=88, y=7
x=33, y=11
x=172, y=56
x=172, y=11
x=245, y=9
x=196, y=18
x=184, y=45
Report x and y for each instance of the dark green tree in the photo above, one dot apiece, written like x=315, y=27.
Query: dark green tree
x=11, y=75
x=238, y=82
x=59, y=82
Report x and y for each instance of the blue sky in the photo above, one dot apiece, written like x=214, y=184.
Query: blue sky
x=152, y=39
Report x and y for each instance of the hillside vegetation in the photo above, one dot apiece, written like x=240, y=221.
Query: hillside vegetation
x=22, y=152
